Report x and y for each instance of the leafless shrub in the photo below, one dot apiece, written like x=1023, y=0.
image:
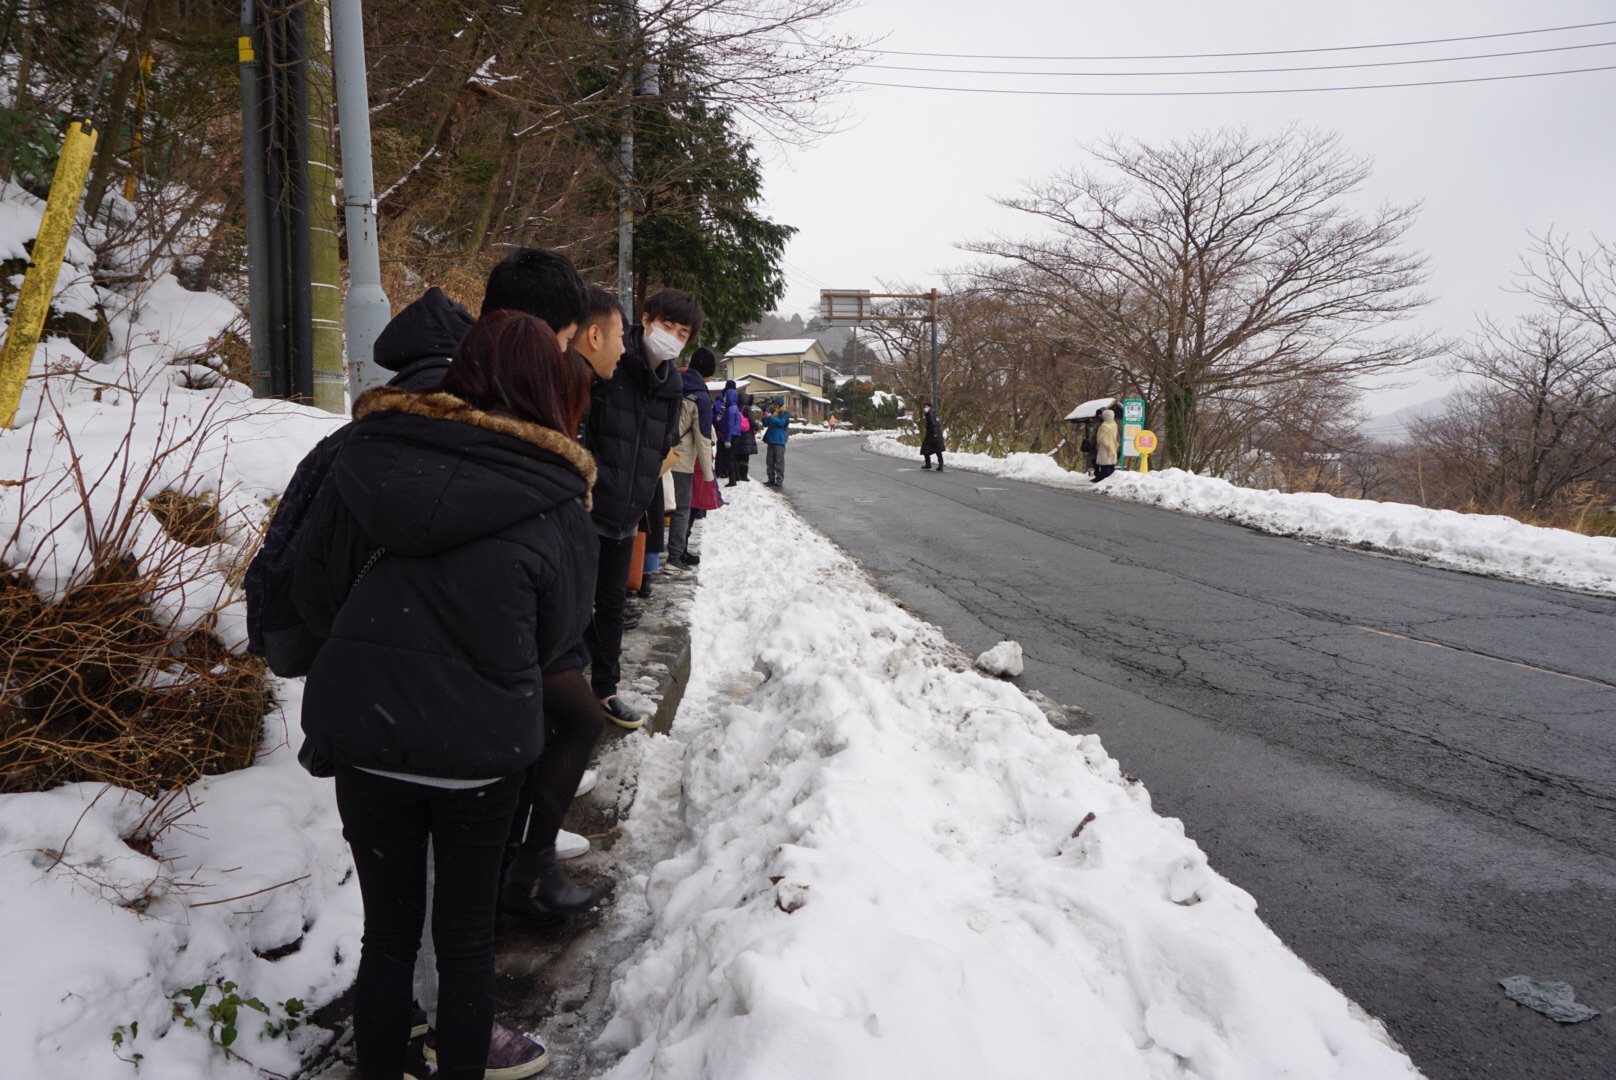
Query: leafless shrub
x=113, y=674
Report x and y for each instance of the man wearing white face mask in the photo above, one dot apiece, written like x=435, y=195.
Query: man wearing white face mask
x=632, y=424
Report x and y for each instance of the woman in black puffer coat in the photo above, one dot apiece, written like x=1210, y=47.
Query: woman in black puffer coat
x=448, y=560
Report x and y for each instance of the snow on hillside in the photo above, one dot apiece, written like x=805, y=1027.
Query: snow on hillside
x=97, y=936
x=1478, y=543
x=895, y=866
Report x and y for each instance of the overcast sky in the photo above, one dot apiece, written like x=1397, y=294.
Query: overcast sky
x=915, y=172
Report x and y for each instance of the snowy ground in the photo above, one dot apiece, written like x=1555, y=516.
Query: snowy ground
x=1478, y=543
x=241, y=878
x=889, y=865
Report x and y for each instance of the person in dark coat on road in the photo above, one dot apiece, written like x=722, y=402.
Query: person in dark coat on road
x=932, y=441
x=632, y=424
x=446, y=563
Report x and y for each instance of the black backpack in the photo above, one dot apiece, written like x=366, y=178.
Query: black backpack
x=275, y=629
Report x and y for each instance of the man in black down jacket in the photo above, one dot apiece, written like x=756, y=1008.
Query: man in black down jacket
x=632, y=424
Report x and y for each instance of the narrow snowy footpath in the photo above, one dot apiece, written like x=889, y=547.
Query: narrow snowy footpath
x=892, y=866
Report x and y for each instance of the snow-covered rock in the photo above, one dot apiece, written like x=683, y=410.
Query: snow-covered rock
x=1004, y=659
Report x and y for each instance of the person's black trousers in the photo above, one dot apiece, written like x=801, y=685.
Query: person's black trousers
x=724, y=459
x=743, y=467
x=928, y=458
x=573, y=723
x=605, y=634
x=387, y=823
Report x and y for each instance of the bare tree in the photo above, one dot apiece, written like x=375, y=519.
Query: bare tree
x=1220, y=267
x=1539, y=415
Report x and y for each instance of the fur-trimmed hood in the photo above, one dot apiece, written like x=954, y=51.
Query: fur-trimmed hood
x=442, y=406
x=419, y=486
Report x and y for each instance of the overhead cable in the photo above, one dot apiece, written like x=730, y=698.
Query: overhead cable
x=1251, y=71
x=1226, y=55
x=1228, y=93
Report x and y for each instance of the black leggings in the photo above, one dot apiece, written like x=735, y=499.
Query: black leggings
x=573, y=721
x=387, y=822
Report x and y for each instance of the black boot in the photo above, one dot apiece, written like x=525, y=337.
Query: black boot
x=536, y=889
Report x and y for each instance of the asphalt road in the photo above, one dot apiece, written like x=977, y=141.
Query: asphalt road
x=1412, y=770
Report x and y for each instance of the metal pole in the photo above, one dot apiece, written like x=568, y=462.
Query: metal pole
x=365, y=310
x=295, y=132
x=625, y=190
x=936, y=404
x=253, y=199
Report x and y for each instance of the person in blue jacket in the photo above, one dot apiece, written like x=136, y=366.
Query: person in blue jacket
x=776, y=429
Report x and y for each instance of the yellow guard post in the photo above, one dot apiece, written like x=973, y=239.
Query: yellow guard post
x=1145, y=443
x=45, y=262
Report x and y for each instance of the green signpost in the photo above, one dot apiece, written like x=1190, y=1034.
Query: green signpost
x=1133, y=422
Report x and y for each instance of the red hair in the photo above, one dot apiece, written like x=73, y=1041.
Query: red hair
x=511, y=363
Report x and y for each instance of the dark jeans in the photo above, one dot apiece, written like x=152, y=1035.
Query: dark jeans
x=679, y=529
x=724, y=459
x=1103, y=471
x=605, y=634
x=387, y=823
x=776, y=458
x=573, y=722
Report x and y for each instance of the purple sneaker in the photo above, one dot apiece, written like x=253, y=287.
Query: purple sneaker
x=511, y=1055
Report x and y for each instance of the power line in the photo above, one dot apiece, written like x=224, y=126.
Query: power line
x=1252, y=71
x=1251, y=52
x=1228, y=93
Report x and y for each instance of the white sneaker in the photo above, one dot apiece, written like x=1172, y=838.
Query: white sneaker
x=587, y=784
x=569, y=845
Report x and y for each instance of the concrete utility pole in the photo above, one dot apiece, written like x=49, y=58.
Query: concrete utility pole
x=365, y=310
x=625, y=156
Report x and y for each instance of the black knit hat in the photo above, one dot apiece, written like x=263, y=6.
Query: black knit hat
x=703, y=362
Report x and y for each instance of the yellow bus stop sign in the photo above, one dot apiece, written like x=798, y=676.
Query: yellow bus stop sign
x=1146, y=443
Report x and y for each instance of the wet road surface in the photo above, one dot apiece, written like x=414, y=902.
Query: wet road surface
x=1412, y=770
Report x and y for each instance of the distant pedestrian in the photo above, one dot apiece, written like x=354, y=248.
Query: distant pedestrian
x=932, y=441
x=776, y=429
x=743, y=447
x=726, y=425
x=1105, y=445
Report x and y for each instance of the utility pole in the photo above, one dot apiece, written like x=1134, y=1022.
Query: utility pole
x=325, y=262
x=935, y=403
x=365, y=310
x=254, y=200
x=625, y=155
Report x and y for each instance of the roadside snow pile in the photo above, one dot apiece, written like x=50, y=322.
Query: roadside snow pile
x=1038, y=468
x=896, y=867
x=254, y=886
x=1479, y=543
x=1003, y=659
